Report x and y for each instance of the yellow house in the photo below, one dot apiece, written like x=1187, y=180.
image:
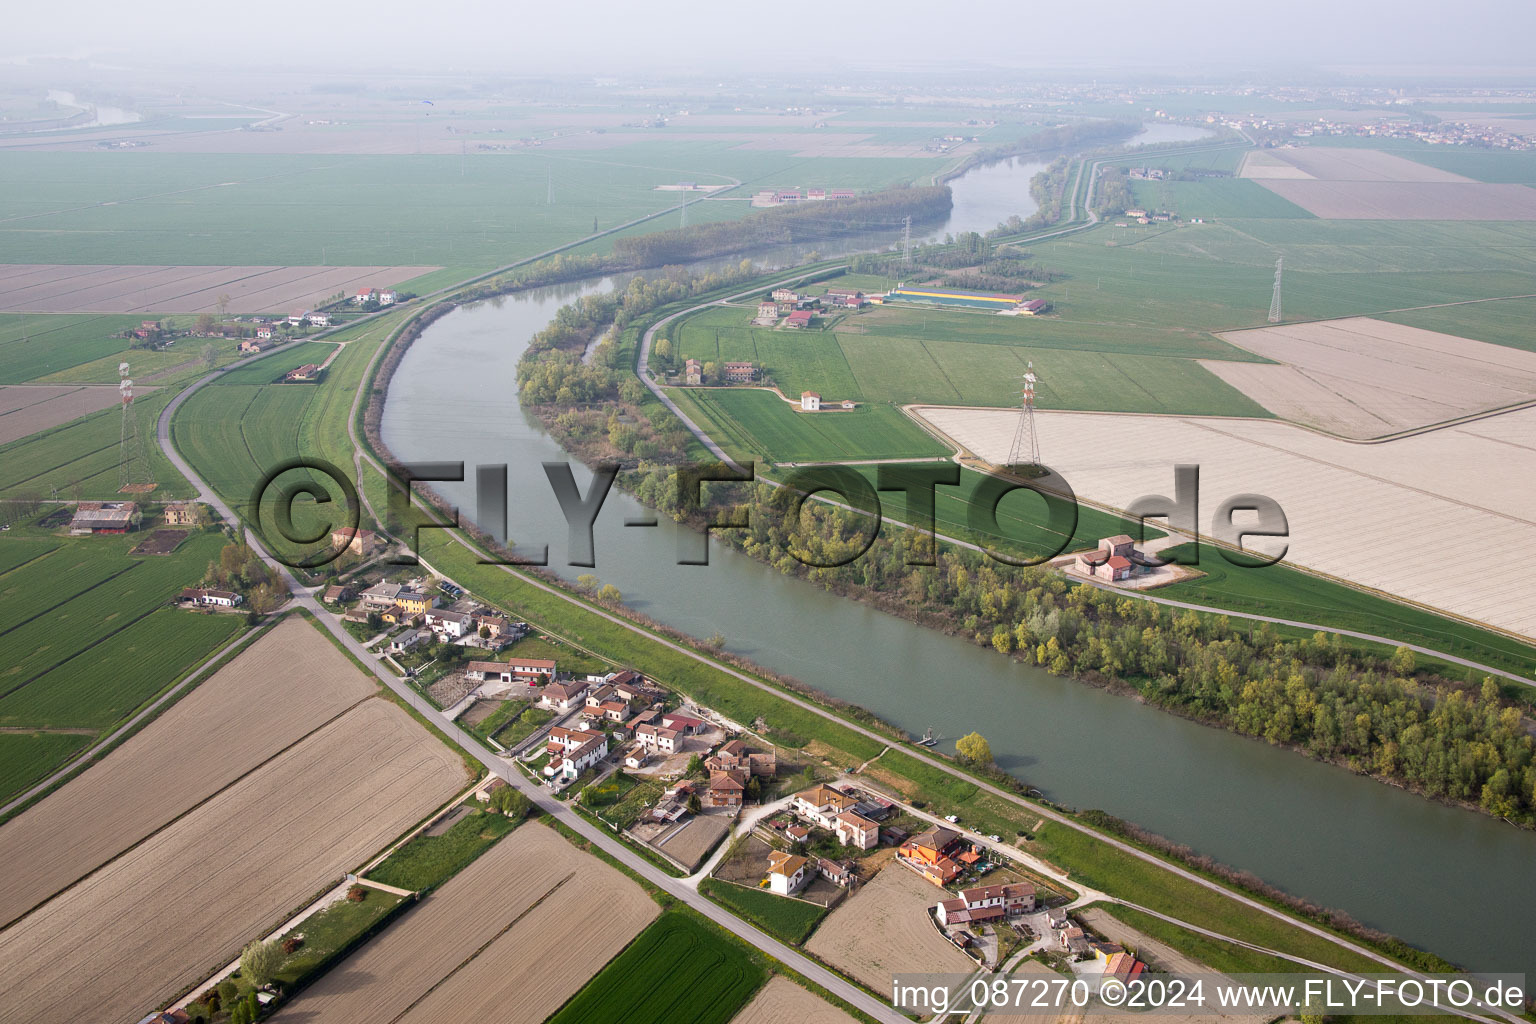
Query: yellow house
x=415, y=603
x=180, y=513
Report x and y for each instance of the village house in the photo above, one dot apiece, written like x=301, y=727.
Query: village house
x=302, y=374
x=495, y=625
x=388, y=297
x=354, y=540
x=318, y=318
x=381, y=595
x=822, y=805
x=847, y=297
x=767, y=314
x=450, y=624
x=685, y=725
x=987, y=903
x=210, y=598
x=264, y=333
x=260, y=343
x=693, y=373
x=734, y=755
x=563, y=696
x=529, y=670
x=786, y=872
x=635, y=756
x=656, y=737
x=573, y=751
x=363, y=295
x=415, y=602
x=724, y=791
x=337, y=593
x=785, y=295
x=405, y=641
x=1123, y=967
x=740, y=373
x=836, y=872
x=98, y=517
x=933, y=854
x=180, y=513
x=855, y=830
x=488, y=671
x=799, y=318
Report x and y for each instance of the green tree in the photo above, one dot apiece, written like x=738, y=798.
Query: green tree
x=974, y=748
x=696, y=765
x=609, y=594
x=1402, y=662
x=511, y=802
x=259, y=961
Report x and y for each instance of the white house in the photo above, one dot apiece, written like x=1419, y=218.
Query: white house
x=532, y=668
x=810, y=401
x=450, y=624
x=822, y=805
x=573, y=751
x=387, y=297
x=562, y=696
x=318, y=319
x=214, y=598
x=405, y=641
x=362, y=296
x=857, y=830
x=987, y=903
x=494, y=671
x=657, y=737
x=786, y=872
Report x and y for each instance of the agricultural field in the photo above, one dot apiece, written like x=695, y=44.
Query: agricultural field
x=302, y=820
x=709, y=980
x=478, y=948
x=1345, y=502
x=35, y=346
x=88, y=639
x=782, y=1000
x=1371, y=184
x=28, y=409
x=1499, y=322
x=84, y=458
x=296, y=676
x=127, y=288
x=1212, y=198
x=789, y=920
x=884, y=929
x=428, y=860
x=760, y=423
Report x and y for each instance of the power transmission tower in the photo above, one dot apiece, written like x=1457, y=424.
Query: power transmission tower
x=549, y=185
x=1025, y=449
x=906, y=241
x=1274, y=302
x=130, y=449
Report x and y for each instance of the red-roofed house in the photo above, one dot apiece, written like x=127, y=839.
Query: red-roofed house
x=987, y=903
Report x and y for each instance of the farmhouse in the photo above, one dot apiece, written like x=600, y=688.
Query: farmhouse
x=210, y=598
x=740, y=373
x=799, y=318
x=724, y=791
x=847, y=297
x=260, y=343
x=337, y=593
x=656, y=737
x=734, y=755
x=302, y=374
x=987, y=903
x=635, y=756
x=786, y=295
x=693, y=373
x=767, y=314
x=685, y=725
x=1115, y=559
x=494, y=671
x=932, y=854
x=264, y=333
x=318, y=319
x=954, y=297
x=180, y=513
x=786, y=872
x=103, y=517
x=810, y=401
x=530, y=669
x=364, y=295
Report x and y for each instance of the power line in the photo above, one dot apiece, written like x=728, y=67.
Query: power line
x=1026, y=444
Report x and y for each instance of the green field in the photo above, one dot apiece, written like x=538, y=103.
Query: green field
x=27, y=757
x=676, y=970
x=763, y=425
x=788, y=920
x=36, y=345
x=428, y=861
x=1214, y=197
x=1288, y=593
x=909, y=354
x=86, y=639
x=1500, y=322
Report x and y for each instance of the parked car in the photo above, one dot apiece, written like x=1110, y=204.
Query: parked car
x=951, y=818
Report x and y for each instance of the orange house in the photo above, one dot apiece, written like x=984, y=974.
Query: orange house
x=929, y=853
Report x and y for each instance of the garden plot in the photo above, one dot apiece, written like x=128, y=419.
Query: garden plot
x=884, y=929
x=272, y=694
x=1419, y=517
x=183, y=902
x=1366, y=378
x=480, y=947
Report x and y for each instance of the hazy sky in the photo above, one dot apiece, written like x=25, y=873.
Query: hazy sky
x=587, y=36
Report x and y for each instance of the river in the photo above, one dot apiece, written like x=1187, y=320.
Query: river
x=1453, y=881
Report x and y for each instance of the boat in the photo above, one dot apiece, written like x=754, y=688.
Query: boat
x=928, y=739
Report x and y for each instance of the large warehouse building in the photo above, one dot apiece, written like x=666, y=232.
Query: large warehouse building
x=954, y=297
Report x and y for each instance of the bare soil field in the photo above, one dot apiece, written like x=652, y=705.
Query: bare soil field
x=782, y=1000
x=884, y=929
x=1034, y=968
x=26, y=409
x=50, y=288
x=1406, y=200
x=1366, y=378
x=695, y=840
x=480, y=947
x=1327, y=163
x=1353, y=509
x=1368, y=184
x=179, y=905
x=291, y=682
x=161, y=542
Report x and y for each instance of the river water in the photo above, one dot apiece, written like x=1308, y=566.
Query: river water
x=1456, y=882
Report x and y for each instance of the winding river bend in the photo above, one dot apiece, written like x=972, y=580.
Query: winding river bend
x=1457, y=882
